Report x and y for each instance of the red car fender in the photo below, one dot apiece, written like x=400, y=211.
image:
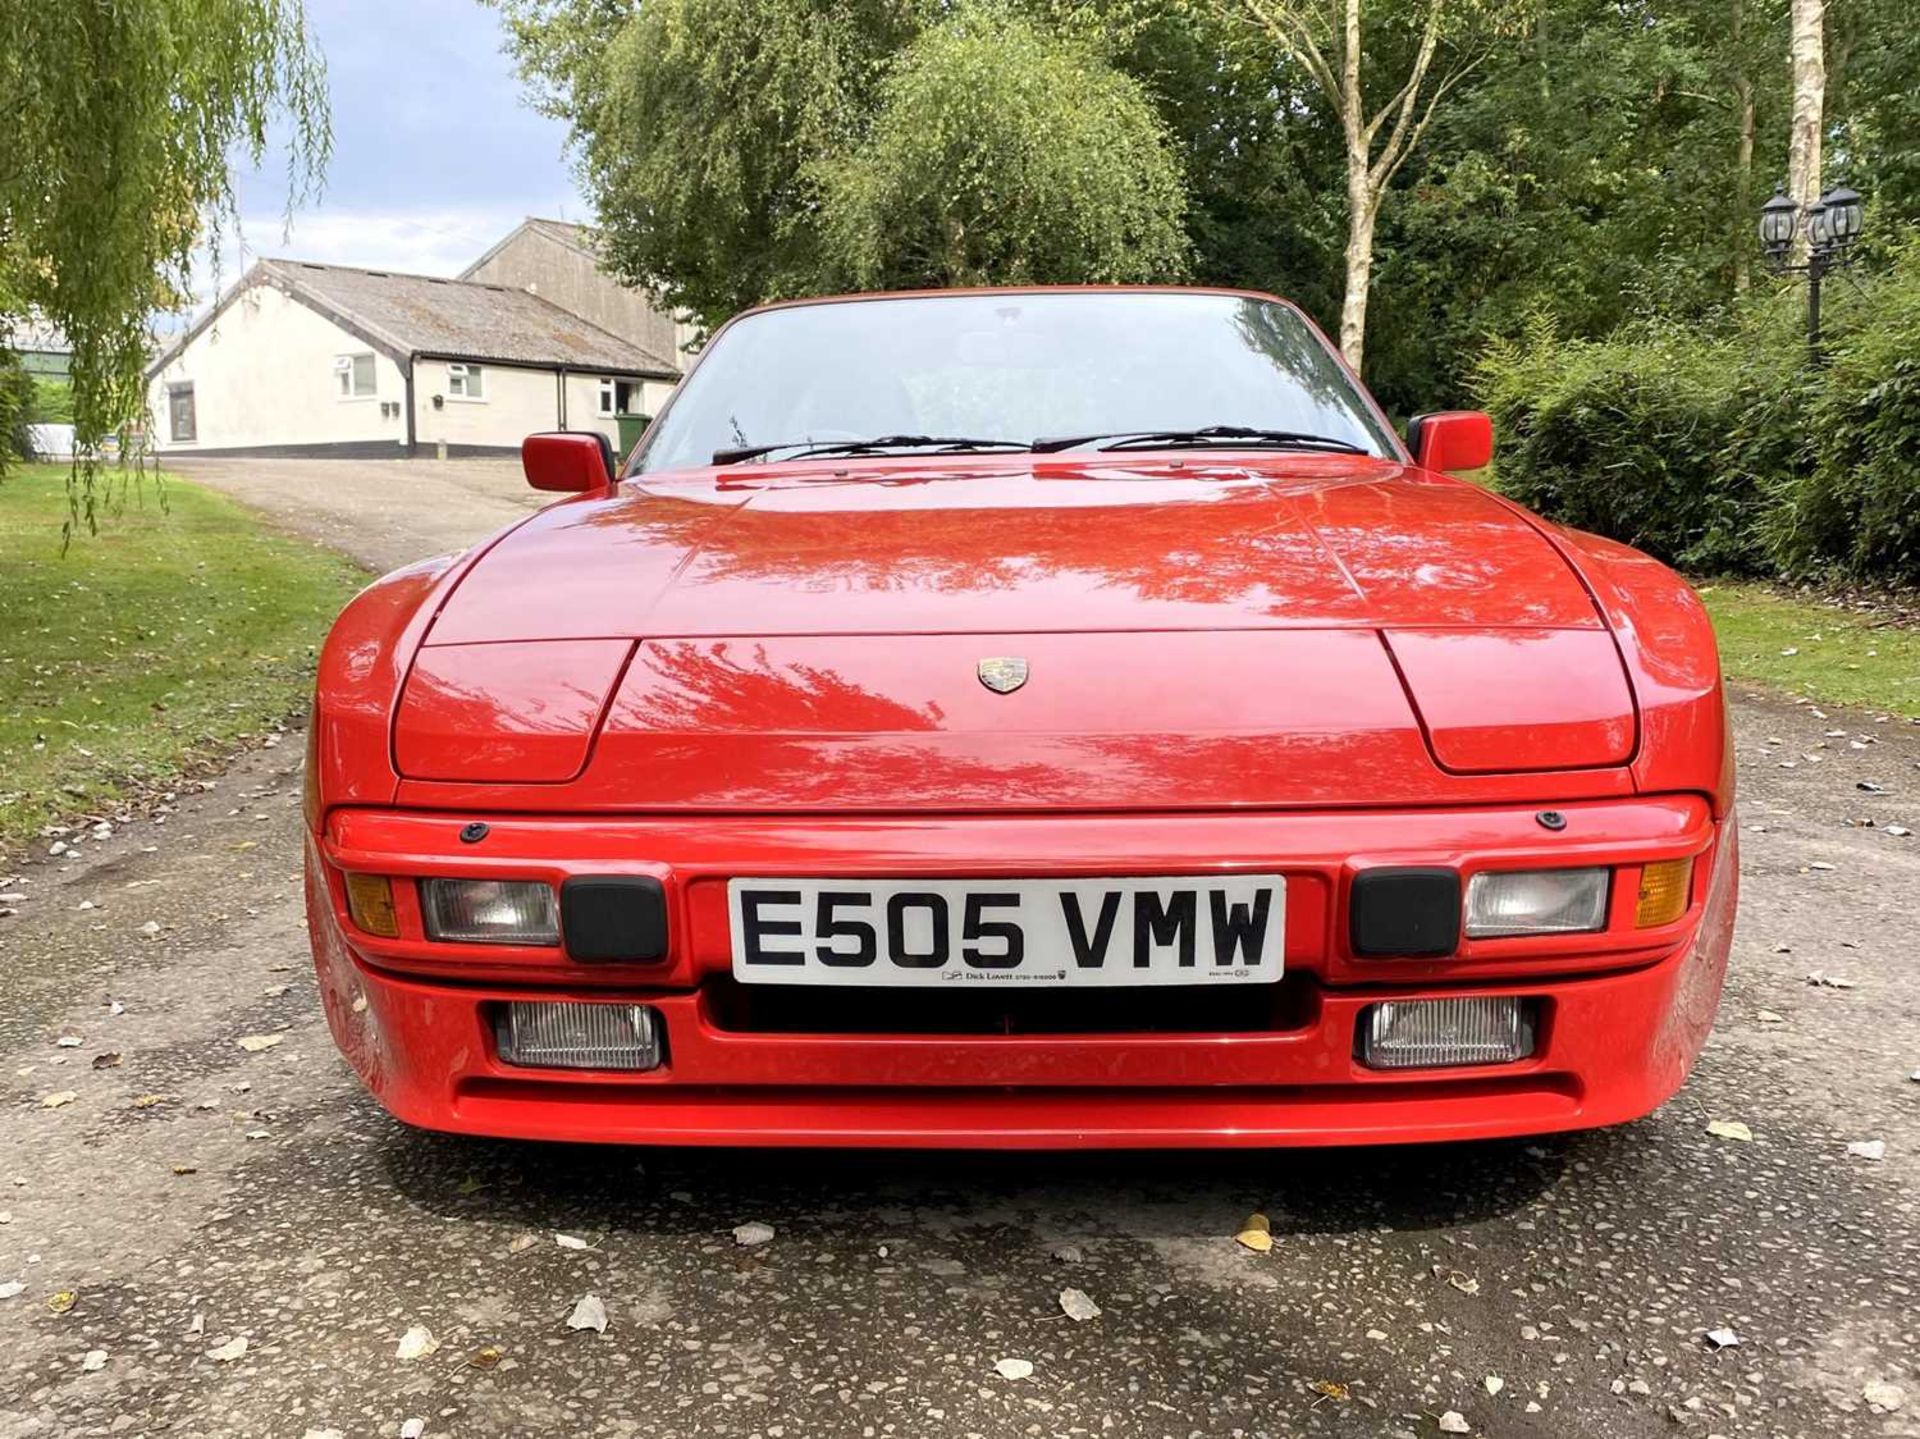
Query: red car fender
x=363, y=665
x=1673, y=660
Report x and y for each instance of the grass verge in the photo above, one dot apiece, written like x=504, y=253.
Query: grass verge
x=147, y=650
x=1817, y=650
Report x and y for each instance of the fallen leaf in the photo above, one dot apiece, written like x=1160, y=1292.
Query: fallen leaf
x=148, y=1101
x=521, y=1242
x=752, y=1233
x=417, y=1343
x=185, y=1169
x=1723, y=1339
x=1331, y=1389
x=1730, y=1129
x=589, y=1313
x=1454, y=1422
x=106, y=1061
x=1884, y=1396
x=63, y=1302
x=228, y=1352
x=1077, y=1306
x=1256, y=1233
x=56, y=1101
x=486, y=1357
x=254, y=1043
x=1875, y=1149
x=1460, y=1280
x=1014, y=1368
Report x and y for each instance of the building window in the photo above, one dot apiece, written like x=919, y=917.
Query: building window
x=464, y=383
x=180, y=413
x=353, y=376
x=619, y=397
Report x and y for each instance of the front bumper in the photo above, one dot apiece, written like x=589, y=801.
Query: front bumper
x=1623, y=1015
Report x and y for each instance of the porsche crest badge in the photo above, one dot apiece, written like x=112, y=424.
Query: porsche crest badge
x=1003, y=674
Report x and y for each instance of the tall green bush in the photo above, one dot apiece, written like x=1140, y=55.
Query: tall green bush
x=1662, y=438
x=1723, y=450
x=1857, y=508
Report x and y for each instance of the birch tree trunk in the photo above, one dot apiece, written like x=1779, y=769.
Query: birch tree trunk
x=1325, y=40
x=1362, y=197
x=1743, y=172
x=1807, y=49
x=1363, y=203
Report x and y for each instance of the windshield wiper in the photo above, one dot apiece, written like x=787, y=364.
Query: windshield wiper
x=1155, y=439
x=807, y=448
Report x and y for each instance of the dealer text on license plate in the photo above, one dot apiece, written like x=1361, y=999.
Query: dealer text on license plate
x=1180, y=929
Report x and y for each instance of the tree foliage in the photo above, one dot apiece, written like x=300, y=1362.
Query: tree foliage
x=123, y=119
x=1000, y=154
x=702, y=126
x=1602, y=164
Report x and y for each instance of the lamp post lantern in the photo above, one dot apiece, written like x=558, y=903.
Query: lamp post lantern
x=1831, y=225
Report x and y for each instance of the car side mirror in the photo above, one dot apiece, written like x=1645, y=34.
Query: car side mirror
x=568, y=460
x=1451, y=440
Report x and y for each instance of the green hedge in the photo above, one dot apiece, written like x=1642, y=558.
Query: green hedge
x=1723, y=451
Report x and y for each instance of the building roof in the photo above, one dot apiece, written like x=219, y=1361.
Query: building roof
x=565, y=232
x=408, y=315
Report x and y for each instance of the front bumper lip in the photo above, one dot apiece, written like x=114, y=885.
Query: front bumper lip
x=1613, y=1046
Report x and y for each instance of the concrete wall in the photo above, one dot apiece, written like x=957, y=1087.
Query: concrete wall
x=555, y=271
x=263, y=377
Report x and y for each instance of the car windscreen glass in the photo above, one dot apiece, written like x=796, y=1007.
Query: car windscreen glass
x=1015, y=366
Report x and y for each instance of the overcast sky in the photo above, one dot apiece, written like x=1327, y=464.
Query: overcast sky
x=434, y=154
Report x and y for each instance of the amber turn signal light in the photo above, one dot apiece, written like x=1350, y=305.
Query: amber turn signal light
x=370, y=902
x=1665, y=887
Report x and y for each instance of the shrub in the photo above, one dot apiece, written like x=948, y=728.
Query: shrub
x=1857, y=508
x=1722, y=450
x=16, y=408
x=1661, y=438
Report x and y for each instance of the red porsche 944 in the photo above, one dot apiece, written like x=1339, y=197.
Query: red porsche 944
x=1022, y=718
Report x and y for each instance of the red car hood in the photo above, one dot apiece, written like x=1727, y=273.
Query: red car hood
x=1301, y=631
x=1065, y=546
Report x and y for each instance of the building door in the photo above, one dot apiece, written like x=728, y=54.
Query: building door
x=180, y=419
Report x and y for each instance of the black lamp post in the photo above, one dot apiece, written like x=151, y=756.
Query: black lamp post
x=1832, y=225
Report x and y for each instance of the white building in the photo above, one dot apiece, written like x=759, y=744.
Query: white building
x=326, y=360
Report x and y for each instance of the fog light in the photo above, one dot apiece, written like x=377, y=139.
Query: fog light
x=1536, y=901
x=1436, y=1033
x=370, y=903
x=564, y=1035
x=1665, y=888
x=490, y=911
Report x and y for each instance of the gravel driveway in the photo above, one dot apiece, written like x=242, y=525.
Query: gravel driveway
x=195, y=1192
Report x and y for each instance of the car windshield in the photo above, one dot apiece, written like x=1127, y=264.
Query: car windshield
x=1013, y=367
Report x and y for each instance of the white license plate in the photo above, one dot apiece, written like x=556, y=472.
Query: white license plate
x=1093, y=933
